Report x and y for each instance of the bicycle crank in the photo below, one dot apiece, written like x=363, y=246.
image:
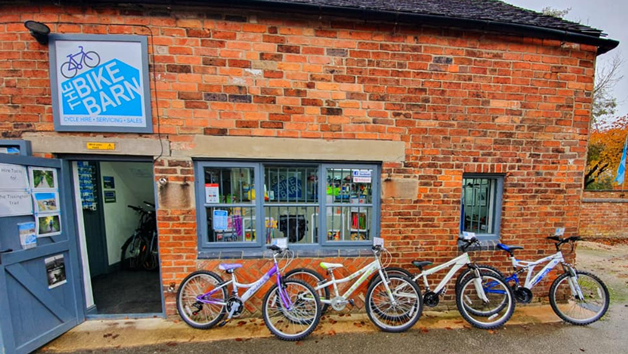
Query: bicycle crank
x=523, y=295
x=430, y=299
x=338, y=303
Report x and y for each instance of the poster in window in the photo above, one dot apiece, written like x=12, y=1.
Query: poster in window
x=212, y=194
x=43, y=178
x=55, y=271
x=220, y=220
x=108, y=182
x=48, y=225
x=46, y=202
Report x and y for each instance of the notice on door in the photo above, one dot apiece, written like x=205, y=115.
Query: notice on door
x=55, y=269
x=14, y=203
x=13, y=177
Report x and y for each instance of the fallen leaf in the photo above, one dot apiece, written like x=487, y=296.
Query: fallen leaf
x=238, y=339
x=582, y=350
x=241, y=323
x=298, y=342
x=448, y=328
x=492, y=331
x=332, y=333
x=424, y=330
x=115, y=336
x=171, y=344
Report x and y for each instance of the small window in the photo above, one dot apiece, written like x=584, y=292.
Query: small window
x=247, y=205
x=481, y=205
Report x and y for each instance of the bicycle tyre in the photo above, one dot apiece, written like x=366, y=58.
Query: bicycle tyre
x=299, y=321
x=67, y=71
x=584, y=279
x=470, y=304
x=390, y=318
x=151, y=261
x=91, y=59
x=312, y=278
x=133, y=253
x=195, y=284
x=483, y=267
x=390, y=271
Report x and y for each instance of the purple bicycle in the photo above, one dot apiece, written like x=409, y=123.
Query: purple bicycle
x=288, y=309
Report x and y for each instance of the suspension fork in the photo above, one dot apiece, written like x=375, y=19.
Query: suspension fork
x=477, y=281
x=283, y=295
x=572, y=280
x=385, y=280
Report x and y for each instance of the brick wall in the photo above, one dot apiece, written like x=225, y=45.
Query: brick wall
x=604, y=215
x=461, y=101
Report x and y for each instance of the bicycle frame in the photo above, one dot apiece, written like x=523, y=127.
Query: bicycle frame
x=455, y=264
x=553, y=260
x=252, y=288
x=365, y=271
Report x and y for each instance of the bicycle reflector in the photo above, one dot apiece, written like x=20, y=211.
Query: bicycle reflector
x=38, y=30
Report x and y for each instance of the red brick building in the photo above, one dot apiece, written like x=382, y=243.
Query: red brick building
x=409, y=120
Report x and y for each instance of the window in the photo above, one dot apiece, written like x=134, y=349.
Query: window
x=481, y=205
x=246, y=205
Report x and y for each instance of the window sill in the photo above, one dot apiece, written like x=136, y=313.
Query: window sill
x=307, y=253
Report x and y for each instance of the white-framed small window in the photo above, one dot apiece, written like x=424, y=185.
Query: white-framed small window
x=481, y=205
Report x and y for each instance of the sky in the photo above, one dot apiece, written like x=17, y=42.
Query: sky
x=606, y=15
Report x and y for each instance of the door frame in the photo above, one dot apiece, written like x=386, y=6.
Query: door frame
x=70, y=158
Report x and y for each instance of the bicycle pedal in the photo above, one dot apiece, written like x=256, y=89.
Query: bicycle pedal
x=223, y=323
x=350, y=301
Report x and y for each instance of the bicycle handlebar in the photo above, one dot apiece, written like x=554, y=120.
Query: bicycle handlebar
x=135, y=208
x=468, y=242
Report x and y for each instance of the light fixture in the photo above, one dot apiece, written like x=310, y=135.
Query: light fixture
x=38, y=30
x=163, y=181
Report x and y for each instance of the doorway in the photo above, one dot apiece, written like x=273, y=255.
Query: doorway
x=115, y=202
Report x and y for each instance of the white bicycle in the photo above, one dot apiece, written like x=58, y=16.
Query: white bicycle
x=577, y=297
x=393, y=304
x=482, y=307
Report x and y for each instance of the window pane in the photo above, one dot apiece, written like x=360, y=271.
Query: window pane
x=478, y=205
x=231, y=224
x=229, y=185
x=346, y=185
x=296, y=223
x=349, y=223
x=291, y=184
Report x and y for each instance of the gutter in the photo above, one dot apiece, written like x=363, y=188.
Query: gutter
x=603, y=45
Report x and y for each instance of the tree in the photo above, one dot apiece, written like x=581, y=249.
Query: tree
x=549, y=11
x=604, y=103
x=606, y=145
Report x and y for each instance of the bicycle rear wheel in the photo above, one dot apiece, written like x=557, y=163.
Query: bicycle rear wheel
x=569, y=306
x=485, y=314
x=196, y=308
x=134, y=252
x=293, y=311
x=400, y=315
x=312, y=278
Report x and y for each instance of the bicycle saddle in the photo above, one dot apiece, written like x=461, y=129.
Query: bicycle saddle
x=229, y=266
x=421, y=264
x=326, y=265
x=508, y=249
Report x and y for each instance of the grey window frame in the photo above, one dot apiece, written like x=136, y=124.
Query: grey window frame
x=204, y=246
x=497, y=202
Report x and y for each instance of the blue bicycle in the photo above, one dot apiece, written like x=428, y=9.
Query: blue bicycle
x=576, y=296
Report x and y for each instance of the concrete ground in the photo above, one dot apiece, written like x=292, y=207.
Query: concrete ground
x=532, y=329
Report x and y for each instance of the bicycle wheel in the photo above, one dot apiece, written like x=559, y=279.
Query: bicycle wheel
x=312, y=278
x=569, y=306
x=390, y=271
x=400, y=315
x=485, y=314
x=293, y=311
x=469, y=273
x=91, y=59
x=134, y=252
x=69, y=70
x=195, y=306
x=151, y=261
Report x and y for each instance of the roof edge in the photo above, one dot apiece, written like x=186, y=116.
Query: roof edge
x=604, y=45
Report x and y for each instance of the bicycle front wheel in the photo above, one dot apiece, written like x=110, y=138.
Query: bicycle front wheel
x=398, y=315
x=482, y=308
x=576, y=309
x=134, y=252
x=197, y=307
x=312, y=278
x=291, y=312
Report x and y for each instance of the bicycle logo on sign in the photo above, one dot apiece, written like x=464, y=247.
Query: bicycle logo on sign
x=75, y=62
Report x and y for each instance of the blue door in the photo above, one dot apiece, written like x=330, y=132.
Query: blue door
x=40, y=287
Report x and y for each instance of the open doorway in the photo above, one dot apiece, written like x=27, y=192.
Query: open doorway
x=118, y=232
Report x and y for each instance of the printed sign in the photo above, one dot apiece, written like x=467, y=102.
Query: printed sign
x=55, y=269
x=220, y=220
x=14, y=203
x=100, y=83
x=211, y=193
x=361, y=176
x=13, y=177
x=101, y=146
